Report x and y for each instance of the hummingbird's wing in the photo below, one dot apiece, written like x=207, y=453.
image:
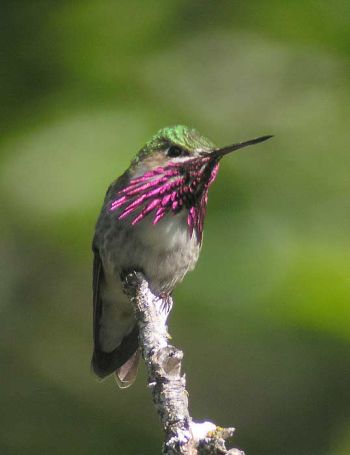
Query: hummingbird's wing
x=124, y=358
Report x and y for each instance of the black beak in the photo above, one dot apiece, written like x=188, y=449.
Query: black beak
x=219, y=153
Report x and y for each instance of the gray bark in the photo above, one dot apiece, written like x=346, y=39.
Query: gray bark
x=167, y=383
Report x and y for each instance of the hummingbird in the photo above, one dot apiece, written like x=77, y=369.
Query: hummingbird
x=152, y=221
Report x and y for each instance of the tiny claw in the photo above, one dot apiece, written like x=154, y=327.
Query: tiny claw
x=166, y=303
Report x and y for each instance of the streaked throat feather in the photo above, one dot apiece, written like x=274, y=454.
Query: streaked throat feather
x=169, y=189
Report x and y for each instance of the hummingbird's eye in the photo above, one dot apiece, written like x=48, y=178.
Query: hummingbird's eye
x=174, y=151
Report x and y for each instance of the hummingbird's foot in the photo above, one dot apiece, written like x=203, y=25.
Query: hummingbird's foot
x=166, y=303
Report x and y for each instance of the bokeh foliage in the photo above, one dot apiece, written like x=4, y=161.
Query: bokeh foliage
x=264, y=320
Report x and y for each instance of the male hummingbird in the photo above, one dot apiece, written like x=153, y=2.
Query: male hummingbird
x=152, y=221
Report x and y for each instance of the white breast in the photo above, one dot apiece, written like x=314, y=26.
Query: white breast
x=169, y=250
x=165, y=251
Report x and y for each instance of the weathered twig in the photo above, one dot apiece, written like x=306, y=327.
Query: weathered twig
x=163, y=361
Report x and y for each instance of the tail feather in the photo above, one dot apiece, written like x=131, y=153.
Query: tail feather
x=126, y=374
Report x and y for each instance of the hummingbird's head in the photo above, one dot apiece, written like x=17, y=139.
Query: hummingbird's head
x=176, y=144
x=171, y=173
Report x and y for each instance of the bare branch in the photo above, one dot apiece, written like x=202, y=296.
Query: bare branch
x=168, y=385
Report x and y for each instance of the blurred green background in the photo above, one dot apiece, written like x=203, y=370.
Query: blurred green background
x=265, y=319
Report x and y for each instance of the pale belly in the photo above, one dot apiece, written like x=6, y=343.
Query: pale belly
x=164, y=253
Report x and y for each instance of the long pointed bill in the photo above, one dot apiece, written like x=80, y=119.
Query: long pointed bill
x=231, y=148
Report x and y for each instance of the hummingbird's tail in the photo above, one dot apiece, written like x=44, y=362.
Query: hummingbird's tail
x=123, y=361
x=126, y=374
x=105, y=365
